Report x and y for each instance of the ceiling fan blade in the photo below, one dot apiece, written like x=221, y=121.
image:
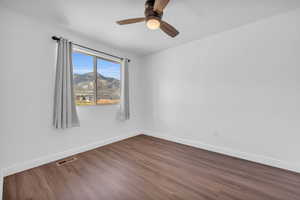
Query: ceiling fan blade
x=160, y=5
x=131, y=21
x=168, y=29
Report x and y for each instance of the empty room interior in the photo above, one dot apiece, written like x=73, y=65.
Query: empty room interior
x=150, y=100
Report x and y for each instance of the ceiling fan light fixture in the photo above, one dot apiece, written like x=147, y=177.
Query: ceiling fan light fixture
x=153, y=24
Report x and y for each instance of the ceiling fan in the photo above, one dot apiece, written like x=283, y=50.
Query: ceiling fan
x=153, y=17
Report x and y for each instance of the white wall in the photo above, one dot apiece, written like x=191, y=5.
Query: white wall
x=237, y=91
x=27, y=60
x=1, y=184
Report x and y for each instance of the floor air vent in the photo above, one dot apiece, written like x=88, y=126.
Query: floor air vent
x=65, y=161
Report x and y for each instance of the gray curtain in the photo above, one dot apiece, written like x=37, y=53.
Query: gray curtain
x=64, y=110
x=124, y=104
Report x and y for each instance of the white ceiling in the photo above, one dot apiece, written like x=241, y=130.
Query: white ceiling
x=194, y=19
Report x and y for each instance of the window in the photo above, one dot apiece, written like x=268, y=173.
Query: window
x=96, y=79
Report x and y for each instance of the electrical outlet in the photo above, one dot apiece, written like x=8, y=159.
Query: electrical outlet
x=216, y=133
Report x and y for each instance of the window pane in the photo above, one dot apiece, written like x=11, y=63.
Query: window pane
x=108, y=82
x=84, y=79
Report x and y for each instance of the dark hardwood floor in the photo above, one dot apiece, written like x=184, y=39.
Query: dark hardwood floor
x=144, y=168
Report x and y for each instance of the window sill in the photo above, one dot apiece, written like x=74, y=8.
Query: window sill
x=104, y=104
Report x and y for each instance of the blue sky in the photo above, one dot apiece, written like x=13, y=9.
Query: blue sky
x=83, y=63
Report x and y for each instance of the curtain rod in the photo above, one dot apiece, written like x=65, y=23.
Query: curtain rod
x=57, y=39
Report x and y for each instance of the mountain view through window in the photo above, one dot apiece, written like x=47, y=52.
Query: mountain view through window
x=96, y=80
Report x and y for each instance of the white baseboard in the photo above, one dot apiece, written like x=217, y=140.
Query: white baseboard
x=231, y=152
x=57, y=156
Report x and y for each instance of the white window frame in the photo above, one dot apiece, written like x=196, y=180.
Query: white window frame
x=95, y=57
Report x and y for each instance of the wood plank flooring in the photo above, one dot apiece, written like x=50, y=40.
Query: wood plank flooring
x=147, y=168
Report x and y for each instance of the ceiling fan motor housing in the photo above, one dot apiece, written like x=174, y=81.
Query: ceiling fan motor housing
x=150, y=3
x=149, y=11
